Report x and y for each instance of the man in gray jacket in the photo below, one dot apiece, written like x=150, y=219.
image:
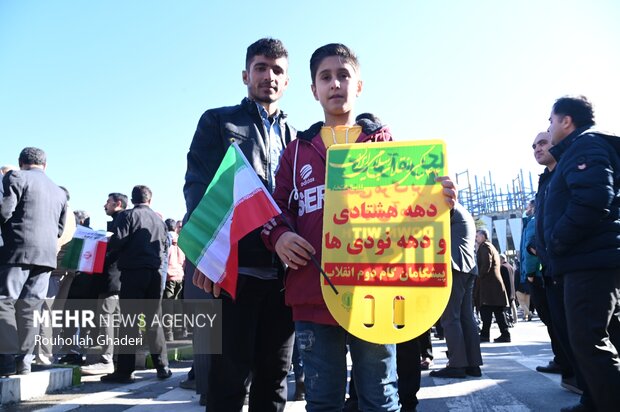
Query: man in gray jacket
x=458, y=321
x=32, y=217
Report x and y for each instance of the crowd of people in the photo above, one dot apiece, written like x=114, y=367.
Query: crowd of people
x=569, y=262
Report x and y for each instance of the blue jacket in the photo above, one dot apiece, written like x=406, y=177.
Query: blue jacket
x=582, y=205
x=530, y=264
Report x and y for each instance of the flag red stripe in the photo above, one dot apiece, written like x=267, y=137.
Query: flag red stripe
x=99, y=257
x=249, y=214
x=229, y=281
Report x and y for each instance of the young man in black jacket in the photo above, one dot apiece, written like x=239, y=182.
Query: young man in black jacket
x=257, y=327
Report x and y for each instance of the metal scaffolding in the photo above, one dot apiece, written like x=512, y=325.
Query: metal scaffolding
x=485, y=197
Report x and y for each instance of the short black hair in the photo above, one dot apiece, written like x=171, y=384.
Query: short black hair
x=332, y=49
x=141, y=194
x=578, y=108
x=170, y=224
x=268, y=47
x=119, y=197
x=32, y=156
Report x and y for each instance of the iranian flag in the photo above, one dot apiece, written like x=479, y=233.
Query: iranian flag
x=86, y=251
x=235, y=203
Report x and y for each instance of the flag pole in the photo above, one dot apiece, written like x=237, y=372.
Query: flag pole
x=312, y=257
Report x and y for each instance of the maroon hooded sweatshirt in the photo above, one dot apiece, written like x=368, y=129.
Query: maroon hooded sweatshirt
x=300, y=185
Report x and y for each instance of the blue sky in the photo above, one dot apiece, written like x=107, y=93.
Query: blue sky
x=113, y=90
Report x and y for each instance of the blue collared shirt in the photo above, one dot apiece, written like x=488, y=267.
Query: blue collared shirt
x=275, y=143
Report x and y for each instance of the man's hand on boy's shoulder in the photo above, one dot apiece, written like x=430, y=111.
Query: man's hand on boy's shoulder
x=449, y=190
x=294, y=250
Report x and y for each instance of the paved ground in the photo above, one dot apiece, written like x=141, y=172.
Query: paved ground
x=509, y=383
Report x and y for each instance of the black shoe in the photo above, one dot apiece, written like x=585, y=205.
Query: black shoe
x=188, y=384
x=7, y=365
x=484, y=338
x=300, y=391
x=71, y=359
x=503, y=338
x=23, y=368
x=449, y=372
x=570, y=384
x=551, y=367
x=473, y=371
x=117, y=377
x=164, y=372
x=580, y=407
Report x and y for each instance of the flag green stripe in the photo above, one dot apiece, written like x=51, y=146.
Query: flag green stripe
x=212, y=211
x=71, y=258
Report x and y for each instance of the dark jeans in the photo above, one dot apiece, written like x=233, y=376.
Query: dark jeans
x=459, y=324
x=409, y=377
x=142, y=284
x=298, y=365
x=201, y=336
x=171, y=302
x=323, y=350
x=409, y=372
x=486, y=313
x=425, y=345
x=554, y=289
x=592, y=303
x=539, y=297
x=257, y=338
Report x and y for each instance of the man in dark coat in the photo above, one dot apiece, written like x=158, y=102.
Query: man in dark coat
x=257, y=327
x=508, y=277
x=140, y=240
x=32, y=217
x=493, y=297
x=581, y=229
x=107, y=287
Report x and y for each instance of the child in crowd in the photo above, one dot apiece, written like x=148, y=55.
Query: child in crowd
x=336, y=84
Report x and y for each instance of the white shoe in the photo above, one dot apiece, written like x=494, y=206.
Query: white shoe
x=97, y=369
x=42, y=360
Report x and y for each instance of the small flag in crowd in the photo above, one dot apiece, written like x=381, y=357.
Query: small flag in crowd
x=235, y=203
x=86, y=251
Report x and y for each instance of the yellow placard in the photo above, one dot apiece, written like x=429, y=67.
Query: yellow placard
x=386, y=238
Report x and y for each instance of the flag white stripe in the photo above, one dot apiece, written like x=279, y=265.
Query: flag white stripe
x=251, y=176
x=213, y=260
x=215, y=255
x=87, y=257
